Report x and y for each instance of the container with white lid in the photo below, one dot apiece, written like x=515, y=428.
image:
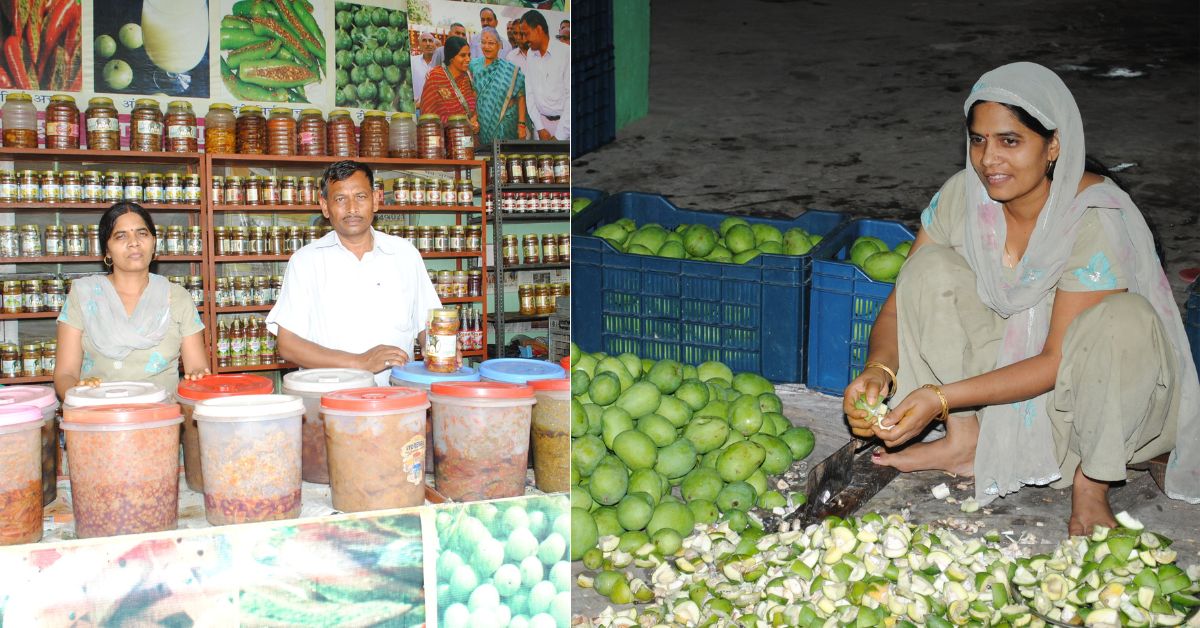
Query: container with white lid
x=115, y=393
x=20, y=474
x=46, y=401
x=310, y=385
x=191, y=392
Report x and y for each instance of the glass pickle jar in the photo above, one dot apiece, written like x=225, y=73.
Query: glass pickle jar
x=132, y=187
x=152, y=188
x=401, y=191
x=545, y=168
x=8, y=186
x=562, y=169
x=103, y=128
x=194, y=242
x=308, y=191
x=465, y=193
x=529, y=164
x=402, y=136
x=191, y=189
x=340, y=135
x=114, y=187
x=528, y=304
x=311, y=133
x=251, y=129
x=220, y=129
x=51, y=190
x=511, y=250
x=20, y=121
x=287, y=191
x=181, y=127
x=441, y=240
x=28, y=186
x=54, y=240
x=76, y=241
x=530, y=249
x=62, y=122
x=217, y=195
x=281, y=132
x=146, y=126
x=474, y=240
x=250, y=191
x=550, y=248
x=429, y=137
x=233, y=190
x=373, y=135
x=460, y=141
x=270, y=190
x=92, y=190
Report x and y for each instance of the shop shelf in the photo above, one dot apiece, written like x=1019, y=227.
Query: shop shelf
x=240, y=309
x=517, y=267
x=28, y=316
x=14, y=381
x=1192, y=320
x=92, y=207
x=462, y=300
x=533, y=187
x=79, y=259
x=517, y=317
x=378, y=163
x=250, y=258
x=260, y=367
x=256, y=209
x=42, y=155
x=452, y=255
x=530, y=216
x=844, y=305
x=752, y=316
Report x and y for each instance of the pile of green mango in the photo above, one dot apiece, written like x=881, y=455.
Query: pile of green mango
x=875, y=259
x=736, y=241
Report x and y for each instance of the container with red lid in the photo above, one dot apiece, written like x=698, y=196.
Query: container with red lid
x=250, y=454
x=480, y=438
x=124, y=467
x=46, y=401
x=20, y=474
x=375, y=439
x=191, y=392
x=550, y=437
x=309, y=385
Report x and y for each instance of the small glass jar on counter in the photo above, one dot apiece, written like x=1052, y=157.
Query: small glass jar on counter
x=20, y=121
x=430, y=137
x=62, y=123
x=146, y=126
x=402, y=137
x=251, y=130
x=311, y=134
x=220, y=129
x=460, y=140
x=373, y=135
x=341, y=138
x=180, y=123
x=102, y=126
x=281, y=132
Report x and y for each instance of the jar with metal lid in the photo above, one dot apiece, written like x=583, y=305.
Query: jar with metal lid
x=74, y=242
x=526, y=296
x=91, y=189
x=373, y=135
x=530, y=165
x=132, y=188
x=220, y=240
x=152, y=188
x=233, y=190
x=259, y=290
x=191, y=189
x=550, y=248
x=114, y=187
x=8, y=186
x=564, y=247
x=511, y=250
x=49, y=356
x=308, y=191
x=464, y=193
x=195, y=286
x=287, y=191
x=281, y=132
x=276, y=241
x=239, y=241
x=430, y=137
x=460, y=284
x=251, y=130
x=217, y=195
x=541, y=299
x=508, y=202
x=311, y=133
x=530, y=249
x=402, y=136
x=51, y=189
x=458, y=237
x=62, y=123
x=409, y=232
x=20, y=121
x=146, y=126
x=193, y=243
x=417, y=195
x=10, y=241
x=55, y=245
x=31, y=359
x=448, y=193
x=401, y=191
x=311, y=234
x=341, y=139
x=377, y=186
x=433, y=192
x=93, y=240
x=28, y=186
x=295, y=240
x=221, y=296
x=31, y=241
x=54, y=294
x=276, y=287
x=516, y=168
x=12, y=294
x=425, y=239
x=172, y=185
x=562, y=169
x=258, y=241
x=545, y=168
x=241, y=291
x=474, y=282
x=102, y=126
x=445, y=284
x=270, y=190
x=441, y=240
x=10, y=360
x=181, y=127
x=69, y=186
x=174, y=240
x=31, y=299
x=474, y=241
x=460, y=140
x=251, y=190
x=220, y=129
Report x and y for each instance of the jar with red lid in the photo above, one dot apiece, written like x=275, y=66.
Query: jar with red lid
x=311, y=133
x=62, y=122
x=281, y=132
x=374, y=135
x=181, y=128
x=340, y=135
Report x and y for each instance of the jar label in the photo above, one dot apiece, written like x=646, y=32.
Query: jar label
x=28, y=191
x=32, y=302
x=48, y=364
x=92, y=191
x=466, y=141
x=307, y=138
x=9, y=367
x=102, y=125
x=71, y=191
x=173, y=193
x=133, y=192
x=418, y=197
x=181, y=132
x=237, y=346
x=154, y=194
x=413, y=455
x=149, y=127
x=8, y=190
x=12, y=302
x=441, y=346
x=223, y=347
x=68, y=129
x=287, y=196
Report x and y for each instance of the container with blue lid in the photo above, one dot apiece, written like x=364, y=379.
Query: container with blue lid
x=519, y=370
x=415, y=374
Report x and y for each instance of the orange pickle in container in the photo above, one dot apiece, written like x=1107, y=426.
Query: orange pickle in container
x=250, y=455
x=550, y=437
x=376, y=443
x=46, y=401
x=124, y=462
x=190, y=393
x=480, y=439
x=310, y=385
x=20, y=474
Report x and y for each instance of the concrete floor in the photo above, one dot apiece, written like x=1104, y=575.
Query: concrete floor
x=769, y=107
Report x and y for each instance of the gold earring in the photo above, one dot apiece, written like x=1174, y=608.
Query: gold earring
x=107, y=261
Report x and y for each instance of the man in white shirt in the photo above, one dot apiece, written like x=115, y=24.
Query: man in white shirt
x=547, y=80
x=356, y=298
x=519, y=53
x=456, y=30
x=487, y=18
x=423, y=63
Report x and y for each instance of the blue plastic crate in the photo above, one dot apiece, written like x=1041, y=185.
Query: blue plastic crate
x=591, y=194
x=592, y=26
x=752, y=316
x=844, y=305
x=1192, y=321
x=593, y=103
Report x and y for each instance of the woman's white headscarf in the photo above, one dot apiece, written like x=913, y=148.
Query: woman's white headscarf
x=1019, y=441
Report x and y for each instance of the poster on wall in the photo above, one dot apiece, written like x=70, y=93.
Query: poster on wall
x=372, y=68
x=138, y=48
x=42, y=45
x=274, y=52
x=517, y=69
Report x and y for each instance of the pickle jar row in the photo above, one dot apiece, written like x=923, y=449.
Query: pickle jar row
x=247, y=290
x=546, y=248
x=416, y=191
x=264, y=190
x=457, y=284
x=254, y=240
x=84, y=240
x=28, y=359
x=531, y=202
x=94, y=186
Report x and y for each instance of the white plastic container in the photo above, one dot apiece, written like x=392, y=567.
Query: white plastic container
x=250, y=455
x=44, y=399
x=114, y=393
x=191, y=392
x=309, y=385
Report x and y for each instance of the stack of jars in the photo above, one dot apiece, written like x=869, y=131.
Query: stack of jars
x=44, y=293
x=93, y=186
x=261, y=240
x=540, y=299
x=530, y=202
x=59, y=240
x=245, y=342
x=264, y=190
x=194, y=284
x=457, y=284
x=248, y=290
x=28, y=359
x=417, y=191
x=441, y=238
x=547, y=248
x=535, y=169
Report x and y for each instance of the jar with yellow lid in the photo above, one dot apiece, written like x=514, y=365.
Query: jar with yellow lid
x=180, y=124
x=220, y=129
x=251, y=130
x=146, y=126
x=62, y=123
x=102, y=126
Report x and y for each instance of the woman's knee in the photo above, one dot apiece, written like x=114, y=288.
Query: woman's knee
x=1119, y=320
x=933, y=265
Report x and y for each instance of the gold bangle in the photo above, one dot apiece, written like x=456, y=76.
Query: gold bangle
x=942, y=397
x=885, y=369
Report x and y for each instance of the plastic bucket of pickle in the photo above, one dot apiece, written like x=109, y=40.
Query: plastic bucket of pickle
x=20, y=474
x=44, y=399
x=250, y=453
x=550, y=435
x=310, y=385
x=415, y=375
x=480, y=439
x=124, y=467
x=190, y=393
x=376, y=443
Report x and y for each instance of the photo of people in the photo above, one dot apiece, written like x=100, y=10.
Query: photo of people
x=138, y=50
x=506, y=68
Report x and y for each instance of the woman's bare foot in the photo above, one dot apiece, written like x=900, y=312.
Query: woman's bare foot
x=1089, y=505
x=953, y=454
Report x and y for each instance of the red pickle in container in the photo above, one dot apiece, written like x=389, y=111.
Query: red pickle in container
x=480, y=439
x=46, y=401
x=20, y=474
